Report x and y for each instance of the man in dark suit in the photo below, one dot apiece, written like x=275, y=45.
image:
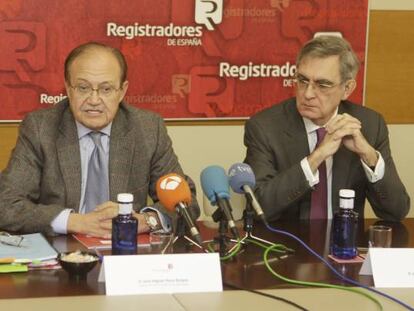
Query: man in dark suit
x=289, y=144
x=45, y=185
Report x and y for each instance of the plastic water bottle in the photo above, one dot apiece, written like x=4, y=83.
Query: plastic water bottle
x=345, y=225
x=124, y=227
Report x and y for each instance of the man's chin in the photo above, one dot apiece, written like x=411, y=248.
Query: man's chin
x=94, y=123
x=309, y=114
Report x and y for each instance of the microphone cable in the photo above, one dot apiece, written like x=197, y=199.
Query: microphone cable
x=287, y=301
x=277, y=248
x=342, y=277
x=304, y=283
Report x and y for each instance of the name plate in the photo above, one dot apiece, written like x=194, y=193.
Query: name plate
x=390, y=267
x=160, y=274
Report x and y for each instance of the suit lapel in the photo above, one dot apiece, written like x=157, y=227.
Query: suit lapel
x=296, y=140
x=68, y=152
x=121, y=153
x=295, y=135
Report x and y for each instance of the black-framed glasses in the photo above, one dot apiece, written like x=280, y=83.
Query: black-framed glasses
x=322, y=86
x=86, y=90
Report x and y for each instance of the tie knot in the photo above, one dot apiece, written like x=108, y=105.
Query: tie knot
x=96, y=137
x=320, y=133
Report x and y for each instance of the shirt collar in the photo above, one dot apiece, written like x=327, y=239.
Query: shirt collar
x=83, y=130
x=311, y=127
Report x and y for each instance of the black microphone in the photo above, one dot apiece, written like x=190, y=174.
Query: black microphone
x=215, y=186
x=242, y=180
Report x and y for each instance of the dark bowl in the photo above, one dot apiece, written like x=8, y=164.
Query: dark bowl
x=78, y=270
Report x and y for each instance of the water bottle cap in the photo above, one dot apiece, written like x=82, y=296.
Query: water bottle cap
x=125, y=209
x=125, y=198
x=347, y=193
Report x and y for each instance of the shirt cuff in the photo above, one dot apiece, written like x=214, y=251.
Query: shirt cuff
x=164, y=219
x=378, y=172
x=312, y=179
x=60, y=223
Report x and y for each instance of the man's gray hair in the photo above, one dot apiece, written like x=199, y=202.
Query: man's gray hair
x=325, y=46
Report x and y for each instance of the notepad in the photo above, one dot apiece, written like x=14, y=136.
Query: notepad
x=34, y=247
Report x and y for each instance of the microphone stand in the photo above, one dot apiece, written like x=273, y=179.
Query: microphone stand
x=180, y=232
x=222, y=239
x=248, y=222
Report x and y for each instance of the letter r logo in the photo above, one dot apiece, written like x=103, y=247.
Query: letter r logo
x=209, y=12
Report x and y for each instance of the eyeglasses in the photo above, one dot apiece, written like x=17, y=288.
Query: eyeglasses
x=321, y=86
x=86, y=90
x=12, y=240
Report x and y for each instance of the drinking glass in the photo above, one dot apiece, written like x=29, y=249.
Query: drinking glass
x=380, y=236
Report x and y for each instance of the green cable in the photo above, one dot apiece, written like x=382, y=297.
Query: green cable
x=315, y=284
x=230, y=255
x=278, y=248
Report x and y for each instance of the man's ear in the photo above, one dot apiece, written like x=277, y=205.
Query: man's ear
x=124, y=89
x=350, y=86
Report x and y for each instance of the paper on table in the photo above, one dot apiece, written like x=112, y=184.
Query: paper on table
x=97, y=243
x=156, y=274
x=13, y=268
x=34, y=247
x=390, y=267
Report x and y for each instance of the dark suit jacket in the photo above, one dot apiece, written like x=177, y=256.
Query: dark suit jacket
x=276, y=142
x=44, y=173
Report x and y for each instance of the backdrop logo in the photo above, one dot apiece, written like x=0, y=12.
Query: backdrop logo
x=251, y=70
x=214, y=96
x=181, y=84
x=51, y=99
x=209, y=12
x=23, y=48
x=281, y=5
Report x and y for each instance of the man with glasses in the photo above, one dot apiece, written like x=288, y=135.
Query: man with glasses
x=307, y=148
x=72, y=160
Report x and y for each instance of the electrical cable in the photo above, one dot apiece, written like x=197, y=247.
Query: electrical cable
x=342, y=277
x=297, y=282
x=278, y=248
x=316, y=284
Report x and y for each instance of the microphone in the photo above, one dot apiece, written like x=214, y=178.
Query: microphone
x=242, y=180
x=175, y=194
x=215, y=186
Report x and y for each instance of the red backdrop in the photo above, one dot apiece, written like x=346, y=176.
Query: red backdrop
x=174, y=51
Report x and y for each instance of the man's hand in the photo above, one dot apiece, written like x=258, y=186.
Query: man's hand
x=97, y=223
x=142, y=224
x=349, y=129
x=339, y=127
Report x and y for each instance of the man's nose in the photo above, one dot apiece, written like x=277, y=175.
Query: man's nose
x=94, y=97
x=310, y=90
